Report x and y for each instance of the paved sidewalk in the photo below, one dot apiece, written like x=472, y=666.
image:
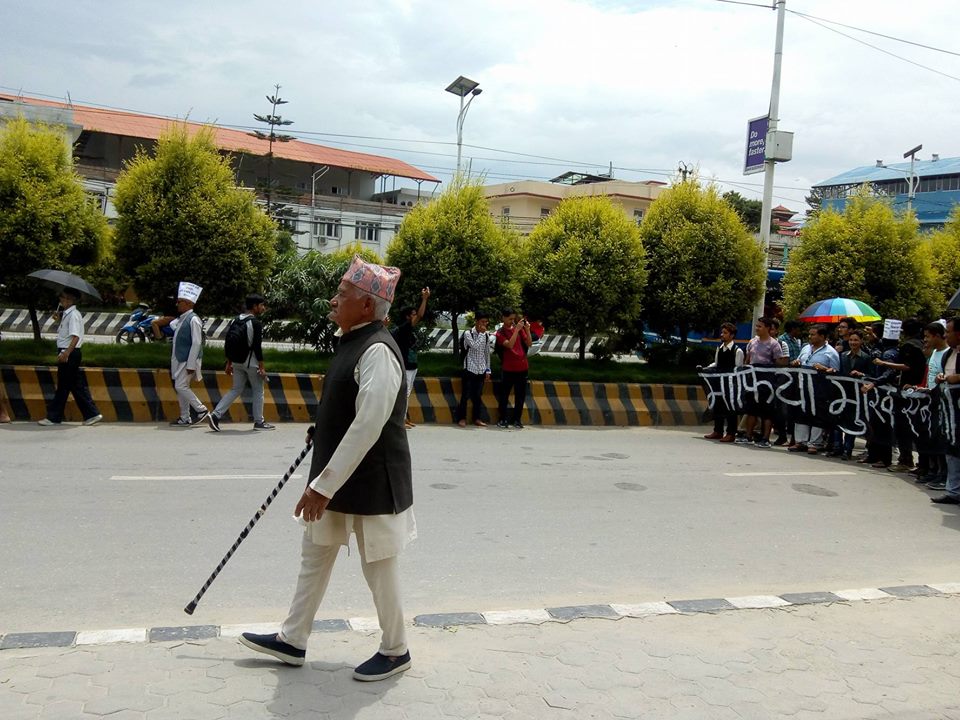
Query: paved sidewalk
x=895, y=657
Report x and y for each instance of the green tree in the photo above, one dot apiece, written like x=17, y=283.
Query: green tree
x=300, y=291
x=47, y=220
x=705, y=268
x=182, y=218
x=589, y=269
x=814, y=201
x=867, y=253
x=750, y=211
x=454, y=247
x=943, y=248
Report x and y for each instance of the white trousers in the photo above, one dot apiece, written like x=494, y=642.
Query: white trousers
x=383, y=579
x=808, y=435
x=185, y=396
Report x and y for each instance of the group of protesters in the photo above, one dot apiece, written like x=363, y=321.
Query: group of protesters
x=923, y=357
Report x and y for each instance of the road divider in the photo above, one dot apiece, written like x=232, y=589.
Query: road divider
x=147, y=395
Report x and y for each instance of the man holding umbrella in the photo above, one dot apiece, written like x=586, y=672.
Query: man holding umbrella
x=70, y=378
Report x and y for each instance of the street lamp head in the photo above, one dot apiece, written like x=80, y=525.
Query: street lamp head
x=914, y=151
x=476, y=91
x=463, y=86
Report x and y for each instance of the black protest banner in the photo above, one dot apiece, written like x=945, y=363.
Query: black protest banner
x=932, y=417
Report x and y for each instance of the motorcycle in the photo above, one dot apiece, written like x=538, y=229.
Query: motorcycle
x=137, y=328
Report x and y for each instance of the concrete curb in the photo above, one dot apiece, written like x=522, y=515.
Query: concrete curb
x=147, y=395
x=612, y=611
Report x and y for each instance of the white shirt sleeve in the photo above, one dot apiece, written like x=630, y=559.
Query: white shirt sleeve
x=75, y=327
x=738, y=358
x=196, y=336
x=378, y=375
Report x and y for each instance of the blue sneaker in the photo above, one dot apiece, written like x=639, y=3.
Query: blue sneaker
x=380, y=667
x=273, y=645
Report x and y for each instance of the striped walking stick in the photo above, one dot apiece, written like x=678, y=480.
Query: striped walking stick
x=192, y=605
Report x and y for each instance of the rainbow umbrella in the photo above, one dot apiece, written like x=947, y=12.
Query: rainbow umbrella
x=834, y=310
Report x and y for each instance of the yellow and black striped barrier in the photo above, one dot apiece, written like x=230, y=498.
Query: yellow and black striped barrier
x=141, y=395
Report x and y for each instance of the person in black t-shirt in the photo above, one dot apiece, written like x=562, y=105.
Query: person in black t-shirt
x=912, y=365
x=406, y=340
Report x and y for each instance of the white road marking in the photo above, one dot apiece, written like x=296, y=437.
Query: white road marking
x=514, y=617
x=104, y=637
x=201, y=477
x=790, y=474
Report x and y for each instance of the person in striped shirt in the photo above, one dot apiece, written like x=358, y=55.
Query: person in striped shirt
x=475, y=344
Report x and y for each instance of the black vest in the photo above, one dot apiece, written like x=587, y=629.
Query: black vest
x=382, y=484
x=727, y=359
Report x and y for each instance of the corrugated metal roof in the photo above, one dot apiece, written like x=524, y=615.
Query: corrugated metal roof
x=894, y=171
x=150, y=127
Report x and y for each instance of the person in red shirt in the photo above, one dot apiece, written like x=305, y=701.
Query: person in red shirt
x=513, y=340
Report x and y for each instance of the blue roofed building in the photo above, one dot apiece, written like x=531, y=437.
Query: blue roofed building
x=937, y=187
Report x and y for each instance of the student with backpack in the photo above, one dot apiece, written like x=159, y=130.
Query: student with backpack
x=475, y=350
x=243, y=346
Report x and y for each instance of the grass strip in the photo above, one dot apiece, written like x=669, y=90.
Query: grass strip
x=432, y=364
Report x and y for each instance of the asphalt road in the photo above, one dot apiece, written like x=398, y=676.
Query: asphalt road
x=118, y=525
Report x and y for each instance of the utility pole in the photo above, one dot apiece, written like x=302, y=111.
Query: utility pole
x=770, y=164
x=684, y=170
x=911, y=192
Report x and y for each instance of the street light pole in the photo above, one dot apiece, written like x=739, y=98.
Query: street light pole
x=462, y=87
x=769, y=165
x=911, y=191
x=317, y=174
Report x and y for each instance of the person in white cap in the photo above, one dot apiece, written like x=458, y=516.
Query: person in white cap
x=187, y=356
x=360, y=479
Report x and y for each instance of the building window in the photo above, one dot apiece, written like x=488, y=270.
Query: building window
x=328, y=228
x=366, y=231
x=505, y=211
x=638, y=216
x=544, y=212
x=288, y=224
x=337, y=190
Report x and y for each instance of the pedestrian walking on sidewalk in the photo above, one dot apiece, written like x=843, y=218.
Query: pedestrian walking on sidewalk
x=186, y=358
x=360, y=479
x=244, y=350
x=70, y=379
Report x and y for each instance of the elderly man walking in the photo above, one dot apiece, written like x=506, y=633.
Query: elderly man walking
x=360, y=477
x=187, y=355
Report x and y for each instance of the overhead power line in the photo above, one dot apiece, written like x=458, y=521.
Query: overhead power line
x=529, y=158
x=872, y=32
x=878, y=49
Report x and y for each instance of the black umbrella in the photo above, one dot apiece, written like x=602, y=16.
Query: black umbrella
x=954, y=303
x=58, y=279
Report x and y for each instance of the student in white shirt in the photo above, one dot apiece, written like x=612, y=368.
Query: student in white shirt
x=727, y=359
x=70, y=379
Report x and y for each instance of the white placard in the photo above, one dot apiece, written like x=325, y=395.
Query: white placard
x=891, y=329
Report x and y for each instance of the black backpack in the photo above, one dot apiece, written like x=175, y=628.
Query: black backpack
x=236, y=344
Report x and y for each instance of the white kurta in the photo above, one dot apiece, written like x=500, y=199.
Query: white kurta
x=378, y=376
x=193, y=361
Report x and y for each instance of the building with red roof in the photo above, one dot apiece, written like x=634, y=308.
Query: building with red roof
x=331, y=197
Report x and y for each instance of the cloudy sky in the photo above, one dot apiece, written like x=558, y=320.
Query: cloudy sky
x=567, y=84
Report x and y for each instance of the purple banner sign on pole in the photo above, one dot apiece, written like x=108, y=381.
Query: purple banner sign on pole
x=756, y=145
